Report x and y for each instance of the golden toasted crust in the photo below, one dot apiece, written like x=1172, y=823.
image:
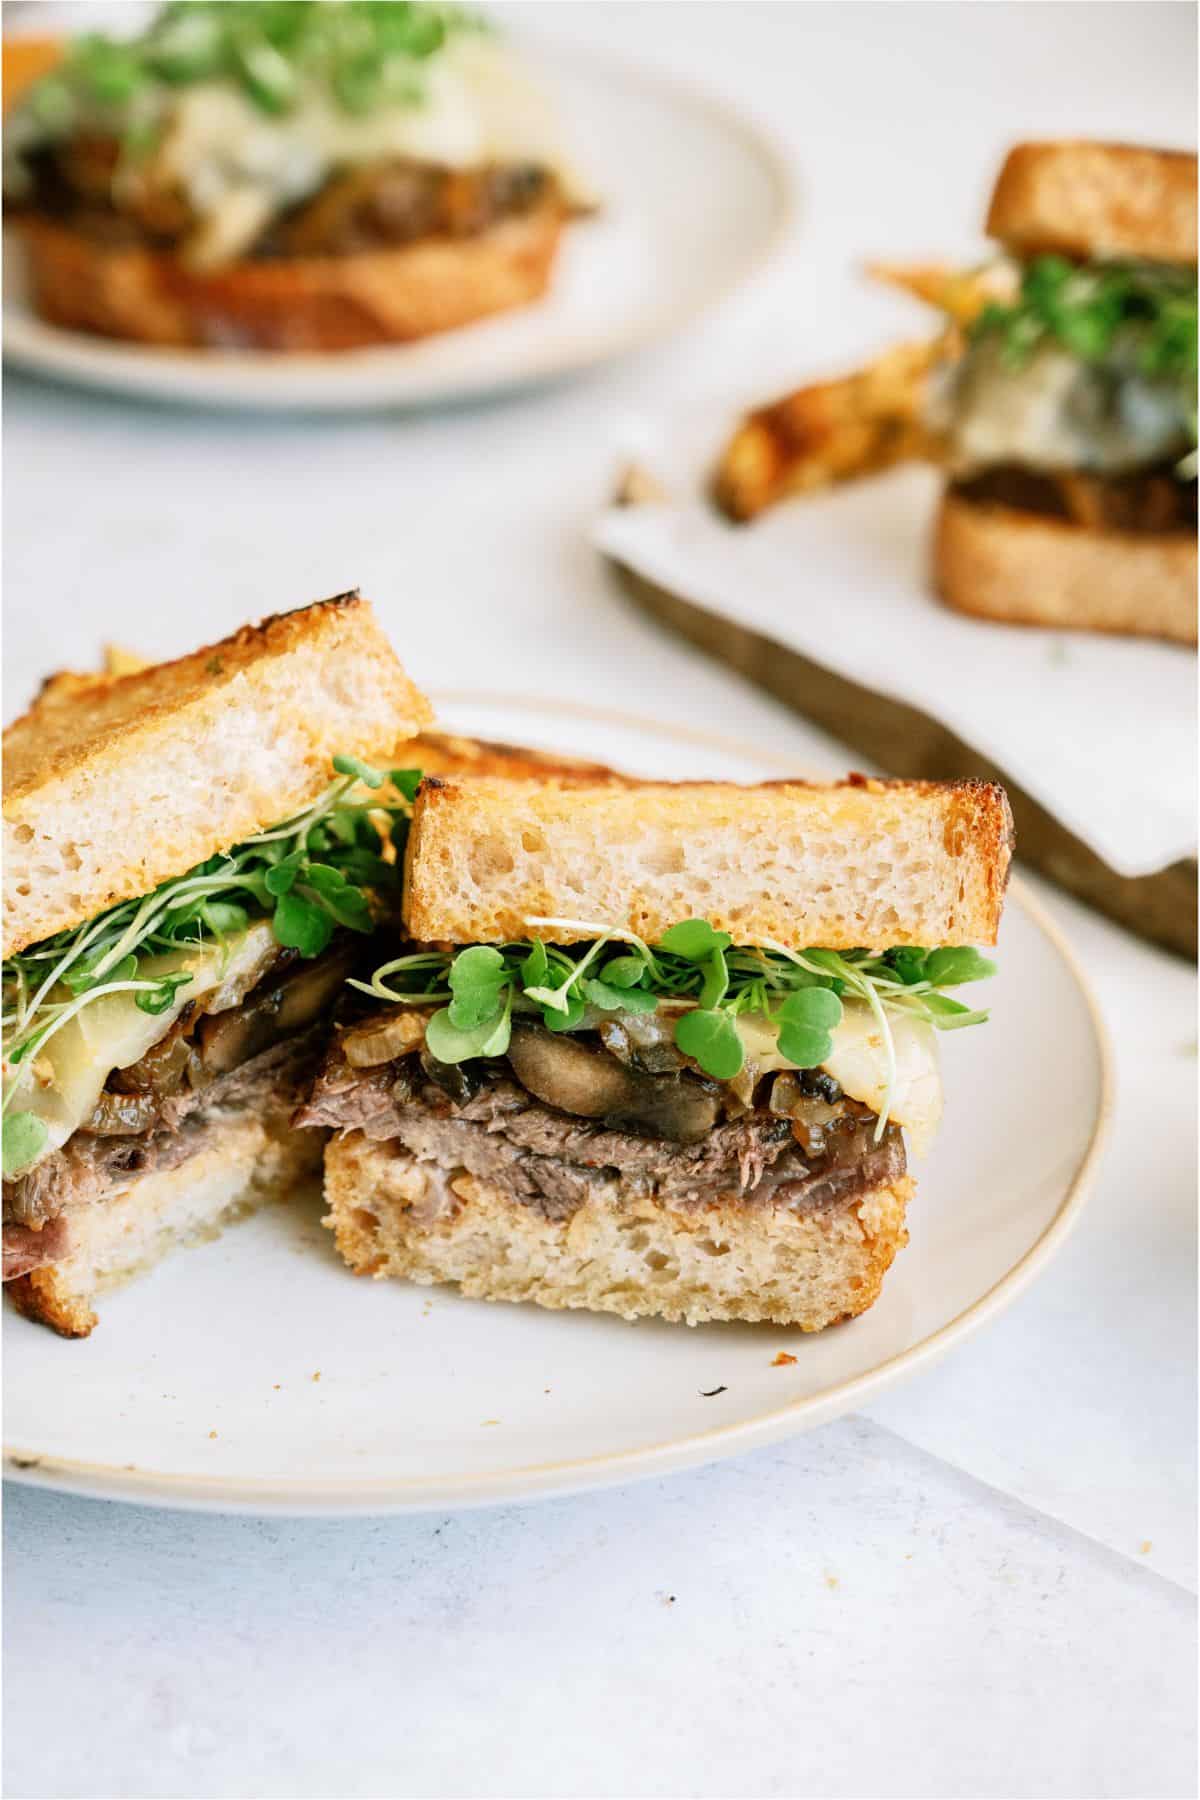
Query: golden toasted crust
x=291, y=304
x=113, y=785
x=832, y=431
x=619, y=1252
x=841, y=864
x=998, y=562
x=444, y=753
x=1087, y=199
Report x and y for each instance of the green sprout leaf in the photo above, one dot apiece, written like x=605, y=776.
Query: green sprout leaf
x=806, y=1021
x=354, y=765
x=160, y=999
x=301, y=925
x=694, y=940
x=711, y=1040
x=451, y=1043
x=24, y=1140
x=478, y=979
x=406, y=782
x=952, y=967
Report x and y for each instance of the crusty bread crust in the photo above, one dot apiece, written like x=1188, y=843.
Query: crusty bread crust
x=623, y=1253
x=292, y=304
x=843, y=864
x=133, y=780
x=445, y=753
x=248, y=1166
x=1089, y=200
x=998, y=562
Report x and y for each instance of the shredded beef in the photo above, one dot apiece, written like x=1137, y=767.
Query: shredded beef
x=88, y=1167
x=1151, y=500
x=553, y=1161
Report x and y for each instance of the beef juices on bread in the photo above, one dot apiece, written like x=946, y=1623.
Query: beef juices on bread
x=304, y=176
x=636, y=1057
x=194, y=853
x=1060, y=401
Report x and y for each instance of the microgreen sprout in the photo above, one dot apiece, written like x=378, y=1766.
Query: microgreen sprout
x=696, y=971
x=308, y=876
x=1133, y=317
x=364, y=54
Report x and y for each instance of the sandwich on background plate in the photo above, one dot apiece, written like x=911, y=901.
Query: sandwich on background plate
x=1060, y=400
x=194, y=855
x=654, y=1049
x=287, y=175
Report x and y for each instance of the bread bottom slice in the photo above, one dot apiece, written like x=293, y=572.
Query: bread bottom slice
x=313, y=303
x=1000, y=562
x=619, y=1252
x=246, y=1166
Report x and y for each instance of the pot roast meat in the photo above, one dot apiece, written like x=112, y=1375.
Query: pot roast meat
x=1151, y=500
x=553, y=1160
x=26, y=1249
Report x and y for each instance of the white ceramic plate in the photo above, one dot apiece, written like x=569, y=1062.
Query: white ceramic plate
x=694, y=199
x=255, y=1373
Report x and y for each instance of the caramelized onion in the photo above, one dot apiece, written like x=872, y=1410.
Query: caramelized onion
x=384, y=1037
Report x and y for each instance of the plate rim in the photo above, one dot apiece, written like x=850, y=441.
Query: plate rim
x=542, y=1481
x=146, y=372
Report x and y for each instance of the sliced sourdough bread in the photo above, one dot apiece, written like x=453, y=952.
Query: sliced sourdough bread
x=1087, y=199
x=119, y=785
x=998, y=562
x=619, y=1253
x=842, y=865
x=251, y=1163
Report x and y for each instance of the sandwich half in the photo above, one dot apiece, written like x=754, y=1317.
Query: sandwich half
x=195, y=855
x=654, y=1050
x=317, y=176
x=1069, y=423
x=1059, y=400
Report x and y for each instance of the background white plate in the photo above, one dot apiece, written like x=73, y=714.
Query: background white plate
x=693, y=198
x=255, y=1374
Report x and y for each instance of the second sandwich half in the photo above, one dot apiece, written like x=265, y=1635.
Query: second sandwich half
x=655, y=1049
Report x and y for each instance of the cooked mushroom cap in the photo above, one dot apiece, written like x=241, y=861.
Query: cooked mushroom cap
x=580, y=1078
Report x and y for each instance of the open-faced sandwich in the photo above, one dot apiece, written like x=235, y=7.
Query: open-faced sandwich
x=1060, y=400
x=655, y=1049
x=287, y=175
x=194, y=855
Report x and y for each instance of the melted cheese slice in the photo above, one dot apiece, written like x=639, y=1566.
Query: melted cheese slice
x=240, y=166
x=62, y=1083
x=858, y=1062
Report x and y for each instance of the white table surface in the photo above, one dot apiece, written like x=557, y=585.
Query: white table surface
x=983, y=1588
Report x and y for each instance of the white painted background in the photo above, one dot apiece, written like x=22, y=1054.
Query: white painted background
x=984, y=1589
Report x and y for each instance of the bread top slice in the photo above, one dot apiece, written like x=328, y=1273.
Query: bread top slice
x=844, y=865
x=1087, y=199
x=112, y=785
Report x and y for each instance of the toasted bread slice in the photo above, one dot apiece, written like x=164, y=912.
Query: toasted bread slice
x=1086, y=199
x=619, y=1252
x=832, y=431
x=444, y=753
x=251, y=1163
x=112, y=790
x=998, y=562
x=291, y=303
x=843, y=865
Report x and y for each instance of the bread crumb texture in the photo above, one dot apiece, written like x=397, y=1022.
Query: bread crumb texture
x=619, y=1253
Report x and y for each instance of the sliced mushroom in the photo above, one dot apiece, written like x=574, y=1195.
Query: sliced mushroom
x=645, y=1041
x=384, y=1037
x=274, y=1010
x=462, y=1081
x=578, y=1078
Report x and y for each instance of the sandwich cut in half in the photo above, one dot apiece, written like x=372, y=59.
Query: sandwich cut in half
x=195, y=854
x=654, y=1049
x=1060, y=400
x=311, y=175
